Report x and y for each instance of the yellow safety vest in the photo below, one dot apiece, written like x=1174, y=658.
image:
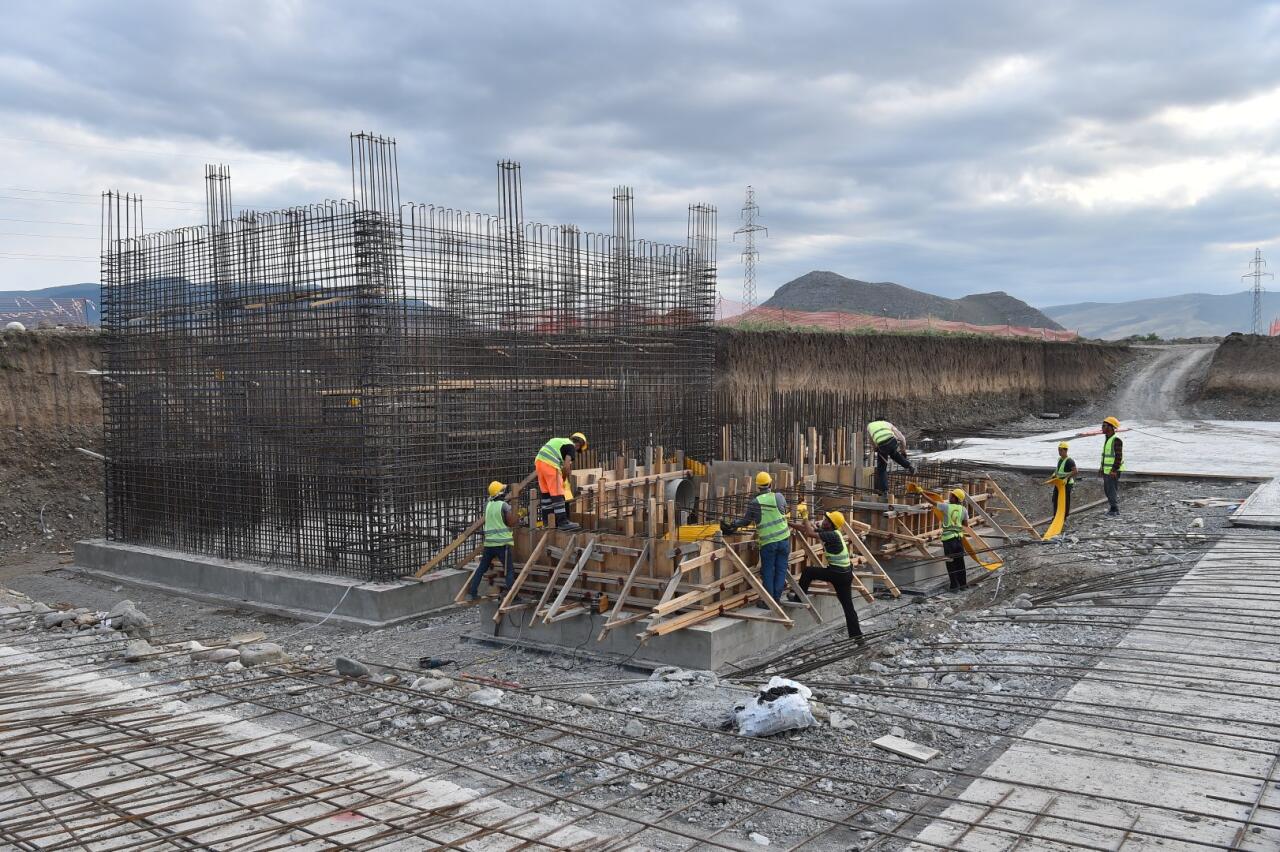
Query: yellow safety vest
x=1061, y=472
x=839, y=560
x=881, y=431
x=496, y=531
x=1109, y=455
x=551, y=451
x=952, y=521
x=773, y=524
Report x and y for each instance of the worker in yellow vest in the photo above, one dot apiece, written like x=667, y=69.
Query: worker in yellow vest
x=839, y=568
x=768, y=511
x=553, y=464
x=954, y=518
x=1112, y=465
x=499, y=518
x=1064, y=471
x=889, y=444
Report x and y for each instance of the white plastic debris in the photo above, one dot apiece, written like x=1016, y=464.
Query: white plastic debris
x=780, y=705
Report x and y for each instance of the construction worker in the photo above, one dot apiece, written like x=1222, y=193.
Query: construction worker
x=954, y=518
x=889, y=444
x=839, y=568
x=499, y=518
x=1112, y=465
x=768, y=511
x=554, y=463
x=1066, y=467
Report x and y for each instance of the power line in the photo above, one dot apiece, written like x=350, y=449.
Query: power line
x=48, y=236
x=46, y=222
x=1257, y=275
x=92, y=195
x=749, y=254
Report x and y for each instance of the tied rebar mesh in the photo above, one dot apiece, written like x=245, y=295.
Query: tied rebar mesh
x=331, y=387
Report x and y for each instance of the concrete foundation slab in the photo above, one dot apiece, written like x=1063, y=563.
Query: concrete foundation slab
x=294, y=594
x=713, y=645
x=1262, y=509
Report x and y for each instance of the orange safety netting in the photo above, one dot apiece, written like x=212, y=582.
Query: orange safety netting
x=837, y=321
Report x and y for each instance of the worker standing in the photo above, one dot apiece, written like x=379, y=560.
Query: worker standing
x=839, y=568
x=1066, y=467
x=768, y=511
x=554, y=463
x=889, y=444
x=499, y=518
x=954, y=518
x=1112, y=465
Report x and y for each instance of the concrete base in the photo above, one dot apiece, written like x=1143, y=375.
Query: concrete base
x=712, y=645
x=294, y=594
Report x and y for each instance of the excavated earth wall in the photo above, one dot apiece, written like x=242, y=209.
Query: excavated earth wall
x=933, y=382
x=1243, y=379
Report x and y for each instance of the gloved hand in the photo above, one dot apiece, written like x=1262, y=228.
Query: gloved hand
x=726, y=527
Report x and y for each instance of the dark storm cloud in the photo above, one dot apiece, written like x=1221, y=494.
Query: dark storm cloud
x=1058, y=151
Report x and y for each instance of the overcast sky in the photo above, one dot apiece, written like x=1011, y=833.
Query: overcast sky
x=1059, y=151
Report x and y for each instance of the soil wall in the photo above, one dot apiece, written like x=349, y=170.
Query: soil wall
x=931, y=382
x=1244, y=365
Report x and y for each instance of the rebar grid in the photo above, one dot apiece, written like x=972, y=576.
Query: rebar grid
x=331, y=387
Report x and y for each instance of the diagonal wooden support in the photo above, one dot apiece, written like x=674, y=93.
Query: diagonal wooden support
x=555, y=574
x=794, y=585
x=877, y=571
x=528, y=566
x=1013, y=508
x=855, y=582
x=570, y=580
x=613, y=620
x=915, y=540
x=999, y=531
x=759, y=588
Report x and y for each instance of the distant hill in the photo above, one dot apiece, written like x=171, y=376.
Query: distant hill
x=828, y=291
x=1185, y=315
x=9, y=298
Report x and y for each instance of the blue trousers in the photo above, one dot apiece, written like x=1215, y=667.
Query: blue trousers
x=773, y=566
x=486, y=558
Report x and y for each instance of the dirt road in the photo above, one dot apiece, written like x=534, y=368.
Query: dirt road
x=1158, y=389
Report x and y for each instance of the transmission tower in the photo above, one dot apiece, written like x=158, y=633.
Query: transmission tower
x=749, y=254
x=1257, y=264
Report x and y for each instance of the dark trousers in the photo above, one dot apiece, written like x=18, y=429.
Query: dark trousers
x=884, y=452
x=1111, y=488
x=1053, y=497
x=842, y=582
x=954, y=549
x=486, y=559
x=549, y=505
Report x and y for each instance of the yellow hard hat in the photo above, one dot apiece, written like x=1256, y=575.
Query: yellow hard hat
x=496, y=488
x=578, y=436
x=1063, y=446
x=763, y=478
x=836, y=519
x=1111, y=421
x=958, y=493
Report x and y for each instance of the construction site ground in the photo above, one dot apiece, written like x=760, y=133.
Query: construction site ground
x=450, y=743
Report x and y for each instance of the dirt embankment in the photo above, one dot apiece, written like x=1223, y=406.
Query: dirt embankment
x=52, y=495
x=1244, y=370
x=932, y=382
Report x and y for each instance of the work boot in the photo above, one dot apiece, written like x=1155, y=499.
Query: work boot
x=859, y=640
x=569, y=526
x=793, y=598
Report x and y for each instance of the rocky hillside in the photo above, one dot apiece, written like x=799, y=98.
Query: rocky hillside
x=828, y=291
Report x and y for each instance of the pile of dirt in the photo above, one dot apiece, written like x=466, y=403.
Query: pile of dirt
x=1243, y=379
x=829, y=291
x=53, y=495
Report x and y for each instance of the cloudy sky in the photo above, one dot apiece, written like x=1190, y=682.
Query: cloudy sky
x=1059, y=151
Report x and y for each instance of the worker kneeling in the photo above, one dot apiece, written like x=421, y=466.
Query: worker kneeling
x=499, y=518
x=768, y=511
x=954, y=518
x=554, y=463
x=839, y=568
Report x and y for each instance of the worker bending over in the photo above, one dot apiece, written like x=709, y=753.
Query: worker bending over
x=954, y=518
x=839, y=568
x=1112, y=465
x=889, y=444
x=768, y=511
x=1066, y=467
x=499, y=518
x=554, y=463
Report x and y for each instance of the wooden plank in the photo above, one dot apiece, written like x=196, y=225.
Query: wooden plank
x=906, y=748
x=1017, y=513
x=876, y=568
x=794, y=585
x=759, y=589
x=551, y=583
x=570, y=580
x=612, y=621
x=468, y=532
x=528, y=566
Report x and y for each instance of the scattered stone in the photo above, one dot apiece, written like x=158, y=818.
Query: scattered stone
x=820, y=711
x=137, y=649
x=586, y=699
x=235, y=666
x=919, y=682
x=261, y=653
x=1197, y=523
x=56, y=619
x=127, y=617
x=634, y=729
x=351, y=739
x=247, y=638
x=39, y=608
x=840, y=721
x=487, y=697
x=431, y=721
x=215, y=655
x=350, y=668
x=897, y=731
x=879, y=668
x=758, y=838
x=371, y=727
x=433, y=685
